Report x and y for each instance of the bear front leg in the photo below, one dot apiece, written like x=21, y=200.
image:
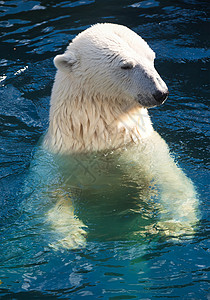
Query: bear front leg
x=178, y=198
x=178, y=202
x=66, y=225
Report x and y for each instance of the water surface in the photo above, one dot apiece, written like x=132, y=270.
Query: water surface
x=110, y=267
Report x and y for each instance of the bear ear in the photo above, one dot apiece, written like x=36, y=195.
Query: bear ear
x=65, y=61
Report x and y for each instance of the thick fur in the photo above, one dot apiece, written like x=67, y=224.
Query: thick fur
x=104, y=84
x=96, y=104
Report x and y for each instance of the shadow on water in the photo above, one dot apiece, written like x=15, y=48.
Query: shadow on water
x=112, y=266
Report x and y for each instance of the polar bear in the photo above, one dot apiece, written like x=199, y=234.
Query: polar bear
x=99, y=124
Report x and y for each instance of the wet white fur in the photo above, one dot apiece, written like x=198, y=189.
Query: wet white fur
x=94, y=102
x=96, y=105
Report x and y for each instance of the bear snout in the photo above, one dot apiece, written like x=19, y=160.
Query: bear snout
x=160, y=96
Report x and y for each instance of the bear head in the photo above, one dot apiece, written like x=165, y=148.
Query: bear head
x=112, y=61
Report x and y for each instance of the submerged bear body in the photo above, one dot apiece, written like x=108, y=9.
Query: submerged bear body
x=101, y=139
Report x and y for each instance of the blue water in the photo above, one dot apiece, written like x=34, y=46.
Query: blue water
x=110, y=267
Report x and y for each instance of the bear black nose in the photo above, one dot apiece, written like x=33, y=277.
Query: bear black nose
x=160, y=97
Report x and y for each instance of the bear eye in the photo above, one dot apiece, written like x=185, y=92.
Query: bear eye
x=127, y=66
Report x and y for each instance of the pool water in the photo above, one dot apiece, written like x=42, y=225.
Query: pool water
x=114, y=264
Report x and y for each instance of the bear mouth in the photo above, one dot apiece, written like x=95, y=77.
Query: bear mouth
x=148, y=102
x=154, y=100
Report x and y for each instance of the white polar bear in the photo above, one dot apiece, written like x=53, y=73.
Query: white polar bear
x=104, y=84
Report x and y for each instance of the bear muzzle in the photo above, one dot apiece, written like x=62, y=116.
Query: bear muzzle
x=160, y=96
x=152, y=100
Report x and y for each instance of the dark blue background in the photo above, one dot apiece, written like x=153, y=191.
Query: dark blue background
x=32, y=33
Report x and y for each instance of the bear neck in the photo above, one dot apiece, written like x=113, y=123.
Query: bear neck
x=81, y=123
